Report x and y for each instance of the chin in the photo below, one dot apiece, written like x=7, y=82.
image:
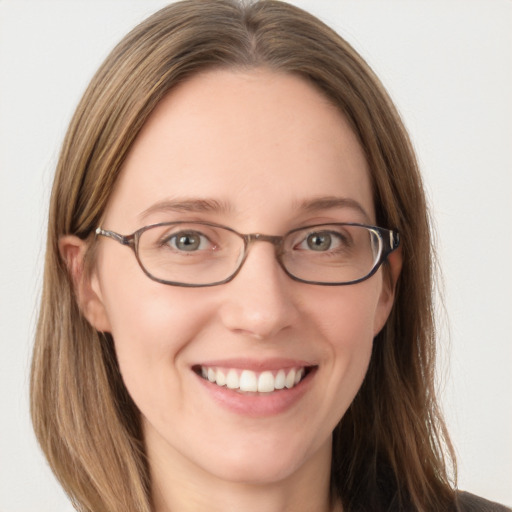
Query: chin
x=259, y=473
x=264, y=463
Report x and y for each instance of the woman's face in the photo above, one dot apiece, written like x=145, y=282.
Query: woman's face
x=259, y=152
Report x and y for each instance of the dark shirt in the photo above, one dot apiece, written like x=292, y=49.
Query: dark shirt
x=471, y=503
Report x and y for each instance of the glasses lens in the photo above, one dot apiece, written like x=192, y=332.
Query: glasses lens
x=332, y=253
x=190, y=253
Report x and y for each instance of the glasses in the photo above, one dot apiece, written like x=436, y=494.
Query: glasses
x=198, y=254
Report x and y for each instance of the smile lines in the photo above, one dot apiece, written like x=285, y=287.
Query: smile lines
x=249, y=381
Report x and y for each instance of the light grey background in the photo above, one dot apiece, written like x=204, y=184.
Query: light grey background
x=446, y=63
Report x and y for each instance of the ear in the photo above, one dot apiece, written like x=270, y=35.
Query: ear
x=72, y=250
x=387, y=295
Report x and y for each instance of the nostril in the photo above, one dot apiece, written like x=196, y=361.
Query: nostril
x=250, y=334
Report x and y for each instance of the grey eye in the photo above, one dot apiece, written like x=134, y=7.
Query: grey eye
x=319, y=241
x=187, y=241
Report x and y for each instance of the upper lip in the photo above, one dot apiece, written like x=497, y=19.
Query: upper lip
x=256, y=365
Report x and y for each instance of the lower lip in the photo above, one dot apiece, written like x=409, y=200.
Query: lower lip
x=258, y=404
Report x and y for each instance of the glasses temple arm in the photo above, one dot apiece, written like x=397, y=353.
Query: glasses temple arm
x=125, y=240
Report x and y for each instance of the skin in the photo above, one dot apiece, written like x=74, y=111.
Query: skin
x=261, y=143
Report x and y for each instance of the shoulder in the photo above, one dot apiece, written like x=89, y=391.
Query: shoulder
x=470, y=503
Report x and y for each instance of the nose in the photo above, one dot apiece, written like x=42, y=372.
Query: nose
x=259, y=302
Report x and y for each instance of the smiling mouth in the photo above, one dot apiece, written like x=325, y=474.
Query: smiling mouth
x=247, y=381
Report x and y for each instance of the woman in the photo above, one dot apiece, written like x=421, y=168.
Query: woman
x=197, y=367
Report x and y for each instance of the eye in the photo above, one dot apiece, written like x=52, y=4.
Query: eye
x=321, y=241
x=188, y=241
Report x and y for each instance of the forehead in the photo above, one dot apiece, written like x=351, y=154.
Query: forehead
x=260, y=143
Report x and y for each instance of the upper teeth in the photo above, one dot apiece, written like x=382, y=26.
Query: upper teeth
x=247, y=380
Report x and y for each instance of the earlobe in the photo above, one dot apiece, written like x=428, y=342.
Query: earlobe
x=387, y=296
x=87, y=290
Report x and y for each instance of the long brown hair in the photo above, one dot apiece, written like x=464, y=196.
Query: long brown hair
x=391, y=450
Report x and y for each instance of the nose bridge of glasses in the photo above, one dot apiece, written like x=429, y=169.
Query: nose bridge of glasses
x=275, y=240
x=259, y=237
x=249, y=240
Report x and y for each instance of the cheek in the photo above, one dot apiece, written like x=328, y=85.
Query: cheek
x=346, y=322
x=346, y=315
x=148, y=320
x=151, y=325
x=150, y=342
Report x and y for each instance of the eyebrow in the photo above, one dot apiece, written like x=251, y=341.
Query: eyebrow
x=186, y=206
x=203, y=205
x=331, y=202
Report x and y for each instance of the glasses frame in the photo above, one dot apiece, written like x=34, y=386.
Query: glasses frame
x=390, y=240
